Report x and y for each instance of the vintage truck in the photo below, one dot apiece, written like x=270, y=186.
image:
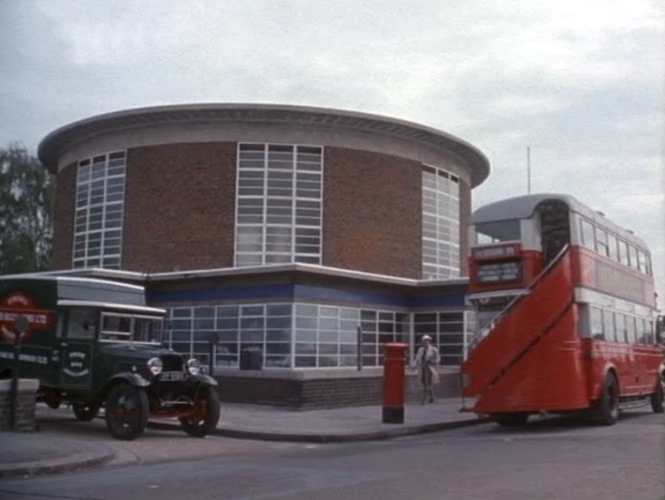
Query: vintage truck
x=95, y=344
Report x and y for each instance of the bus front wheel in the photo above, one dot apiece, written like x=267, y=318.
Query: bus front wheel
x=607, y=411
x=657, y=397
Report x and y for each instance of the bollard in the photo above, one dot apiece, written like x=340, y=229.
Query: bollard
x=393, y=383
x=21, y=323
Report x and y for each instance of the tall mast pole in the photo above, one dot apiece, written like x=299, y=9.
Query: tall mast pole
x=528, y=169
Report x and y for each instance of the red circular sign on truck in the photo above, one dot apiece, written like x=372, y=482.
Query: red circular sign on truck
x=18, y=304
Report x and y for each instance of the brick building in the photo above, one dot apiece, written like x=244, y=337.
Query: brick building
x=279, y=229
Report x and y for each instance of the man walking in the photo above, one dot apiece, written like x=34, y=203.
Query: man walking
x=427, y=360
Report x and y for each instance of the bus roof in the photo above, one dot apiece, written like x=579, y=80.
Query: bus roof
x=522, y=207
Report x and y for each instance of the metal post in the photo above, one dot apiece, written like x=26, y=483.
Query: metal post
x=213, y=339
x=13, y=389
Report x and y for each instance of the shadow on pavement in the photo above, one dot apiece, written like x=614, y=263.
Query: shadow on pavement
x=561, y=423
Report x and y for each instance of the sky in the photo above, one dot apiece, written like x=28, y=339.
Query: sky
x=581, y=83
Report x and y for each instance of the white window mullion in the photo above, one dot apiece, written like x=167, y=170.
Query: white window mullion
x=86, y=236
x=293, y=335
x=294, y=203
x=102, y=236
x=264, y=347
x=264, y=249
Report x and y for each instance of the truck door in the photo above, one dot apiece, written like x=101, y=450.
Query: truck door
x=76, y=348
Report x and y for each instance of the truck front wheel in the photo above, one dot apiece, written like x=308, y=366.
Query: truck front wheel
x=127, y=411
x=205, y=415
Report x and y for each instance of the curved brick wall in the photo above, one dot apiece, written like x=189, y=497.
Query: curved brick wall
x=179, y=208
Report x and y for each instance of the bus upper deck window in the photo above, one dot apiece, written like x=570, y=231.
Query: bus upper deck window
x=623, y=253
x=586, y=232
x=493, y=232
x=601, y=242
x=612, y=246
x=632, y=251
x=642, y=262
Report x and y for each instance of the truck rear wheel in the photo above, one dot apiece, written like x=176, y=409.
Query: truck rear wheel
x=206, y=414
x=85, y=412
x=657, y=397
x=127, y=411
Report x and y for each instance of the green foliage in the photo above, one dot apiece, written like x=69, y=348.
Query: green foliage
x=26, y=212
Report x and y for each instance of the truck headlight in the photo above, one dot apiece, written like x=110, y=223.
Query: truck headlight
x=155, y=366
x=193, y=366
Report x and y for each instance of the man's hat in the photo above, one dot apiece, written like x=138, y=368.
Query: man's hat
x=426, y=337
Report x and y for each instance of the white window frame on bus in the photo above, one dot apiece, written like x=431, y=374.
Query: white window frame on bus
x=603, y=242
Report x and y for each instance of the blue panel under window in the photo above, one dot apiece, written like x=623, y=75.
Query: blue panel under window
x=325, y=294
x=266, y=292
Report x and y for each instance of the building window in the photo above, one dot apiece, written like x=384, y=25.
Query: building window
x=440, y=240
x=327, y=336
x=288, y=335
x=266, y=327
x=279, y=203
x=447, y=330
x=100, y=195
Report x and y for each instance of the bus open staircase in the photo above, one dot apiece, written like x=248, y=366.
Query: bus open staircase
x=518, y=330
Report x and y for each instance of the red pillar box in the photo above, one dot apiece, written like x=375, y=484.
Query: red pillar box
x=393, y=383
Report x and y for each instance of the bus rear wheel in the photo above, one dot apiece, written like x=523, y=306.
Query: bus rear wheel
x=517, y=419
x=607, y=411
x=657, y=397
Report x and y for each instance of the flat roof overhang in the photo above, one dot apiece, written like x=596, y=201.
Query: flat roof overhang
x=309, y=269
x=54, y=144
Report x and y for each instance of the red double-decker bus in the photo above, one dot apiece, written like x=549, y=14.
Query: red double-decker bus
x=566, y=313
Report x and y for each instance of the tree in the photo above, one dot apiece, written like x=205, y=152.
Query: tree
x=26, y=212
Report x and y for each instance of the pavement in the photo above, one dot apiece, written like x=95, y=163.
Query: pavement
x=63, y=444
x=28, y=454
